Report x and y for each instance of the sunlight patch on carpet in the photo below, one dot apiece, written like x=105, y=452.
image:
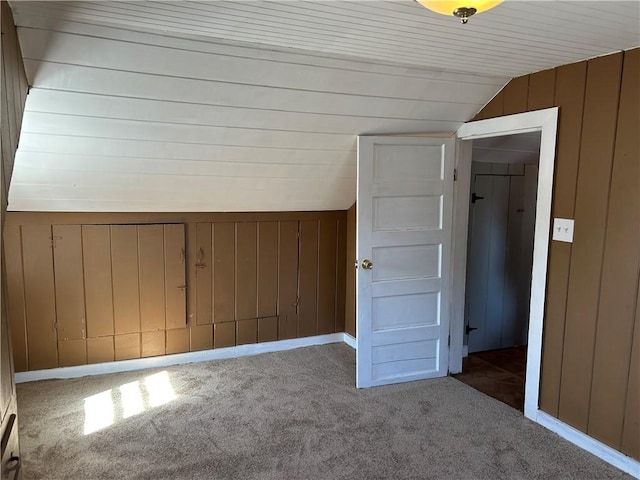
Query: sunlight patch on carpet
x=129, y=399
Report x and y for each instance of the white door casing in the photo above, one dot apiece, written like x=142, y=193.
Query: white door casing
x=404, y=218
x=544, y=121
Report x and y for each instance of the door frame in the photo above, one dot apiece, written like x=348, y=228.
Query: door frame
x=544, y=121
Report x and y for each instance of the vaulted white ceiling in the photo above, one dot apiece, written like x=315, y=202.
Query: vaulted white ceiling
x=234, y=105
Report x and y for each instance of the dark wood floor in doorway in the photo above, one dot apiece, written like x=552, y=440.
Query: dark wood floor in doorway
x=497, y=373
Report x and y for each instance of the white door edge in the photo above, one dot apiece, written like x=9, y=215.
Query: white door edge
x=544, y=121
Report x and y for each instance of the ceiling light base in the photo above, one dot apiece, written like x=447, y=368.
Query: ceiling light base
x=463, y=13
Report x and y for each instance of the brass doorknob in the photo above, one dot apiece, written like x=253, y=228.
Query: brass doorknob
x=367, y=264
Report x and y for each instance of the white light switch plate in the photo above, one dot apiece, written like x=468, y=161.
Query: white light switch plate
x=563, y=229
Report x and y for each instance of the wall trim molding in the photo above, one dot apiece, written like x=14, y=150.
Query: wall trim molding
x=349, y=340
x=591, y=445
x=177, y=358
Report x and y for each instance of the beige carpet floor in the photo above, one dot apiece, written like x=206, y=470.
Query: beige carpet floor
x=286, y=415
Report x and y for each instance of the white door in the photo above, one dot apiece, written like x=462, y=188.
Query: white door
x=404, y=217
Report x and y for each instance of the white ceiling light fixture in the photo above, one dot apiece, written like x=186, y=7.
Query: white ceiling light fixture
x=462, y=9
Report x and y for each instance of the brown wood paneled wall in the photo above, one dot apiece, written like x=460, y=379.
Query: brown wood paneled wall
x=350, y=307
x=87, y=288
x=591, y=340
x=13, y=92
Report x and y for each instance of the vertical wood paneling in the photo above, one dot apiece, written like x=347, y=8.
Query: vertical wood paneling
x=308, y=308
x=124, y=268
x=569, y=96
x=541, y=89
x=72, y=352
x=267, y=269
x=204, y=269
x=119, y=261
x=174, y=276
x=327, y=253
x=268, y=329
x=621, y=264
x=224, y=334
x=100, y=349
x=223, y=272
x=127, y=346
x=515, y=96
x=192, y=248
x=152, y=282
x=341, y=280
x=39, y=296
x=201, y=337
x=598, y=134
x=153, y=343
x=288, y=280
x=96, y=255
x=631, y=428
x=15, y=296
x=350, y=301
x=69, y=282
x=246, y=332
x=177, y=340
x=246, y=271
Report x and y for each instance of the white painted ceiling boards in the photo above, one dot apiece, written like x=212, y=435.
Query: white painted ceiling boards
x=255, y=106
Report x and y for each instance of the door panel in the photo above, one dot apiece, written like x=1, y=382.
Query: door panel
x=175, y=276
x=405, y=188
x=69, y=281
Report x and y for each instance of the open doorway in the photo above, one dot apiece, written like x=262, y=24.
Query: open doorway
x=500, y=238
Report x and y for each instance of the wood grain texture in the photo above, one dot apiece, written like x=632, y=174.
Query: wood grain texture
x=308, y=290
x=40, y=297
x=287, y=280
x=69, y=282
x=246, y=293
x=126, y=285
x=16, y=309
x=267, y=269
x=569, y=97
x=203, y=263
x=597, y=144
x=98, y=290
x=152, y=281
x=327, y=276
x=175, y=282
x=621, y=264
x=223, y=272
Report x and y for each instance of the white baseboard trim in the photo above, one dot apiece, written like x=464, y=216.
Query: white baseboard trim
x=591, y=445
x=176, y=359
x=349, y=340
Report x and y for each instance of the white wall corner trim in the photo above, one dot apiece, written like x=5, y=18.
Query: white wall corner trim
x=591, y=445
x=177, y=359
x=351, y=341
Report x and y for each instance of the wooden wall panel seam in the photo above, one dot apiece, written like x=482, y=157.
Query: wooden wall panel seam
x=629, y=370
